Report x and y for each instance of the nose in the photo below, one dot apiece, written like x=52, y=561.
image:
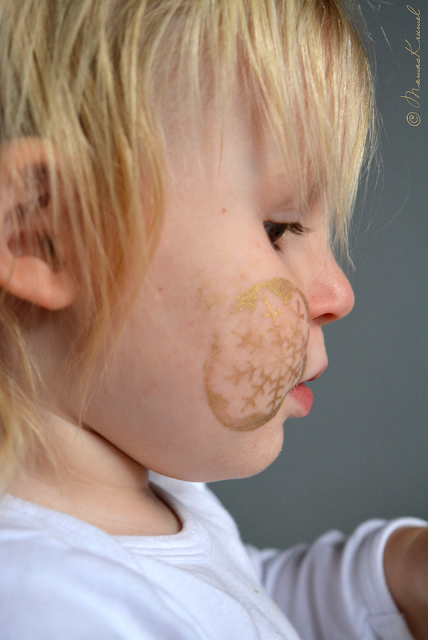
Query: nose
x=331, y=296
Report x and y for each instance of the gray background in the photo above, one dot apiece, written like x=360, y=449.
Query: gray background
x=363, y=450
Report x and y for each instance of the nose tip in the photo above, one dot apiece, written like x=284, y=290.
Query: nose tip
x=332, y=297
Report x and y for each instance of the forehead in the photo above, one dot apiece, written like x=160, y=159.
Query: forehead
x=236, y=139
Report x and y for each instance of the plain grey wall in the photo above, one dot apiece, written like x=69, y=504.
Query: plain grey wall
x=363, y=450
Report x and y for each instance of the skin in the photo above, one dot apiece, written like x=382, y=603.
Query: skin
x=208, y=284
x=406, y=571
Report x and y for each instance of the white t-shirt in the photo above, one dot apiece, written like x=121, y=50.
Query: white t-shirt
x=64, y=579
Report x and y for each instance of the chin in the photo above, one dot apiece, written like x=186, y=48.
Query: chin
x=237, y=454
x=261, y=449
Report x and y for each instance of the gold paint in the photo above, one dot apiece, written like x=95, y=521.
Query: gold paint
x=280, y=287
x=256, y=367
x=248, y=339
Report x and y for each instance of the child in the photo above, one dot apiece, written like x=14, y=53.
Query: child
x=171, y=175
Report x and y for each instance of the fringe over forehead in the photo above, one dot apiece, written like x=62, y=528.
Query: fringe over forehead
x=301, y=68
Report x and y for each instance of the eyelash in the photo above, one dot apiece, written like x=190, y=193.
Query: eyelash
x=276, y=230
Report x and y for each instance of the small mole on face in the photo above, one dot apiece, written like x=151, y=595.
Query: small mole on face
x=160, y=289
x=223, y=210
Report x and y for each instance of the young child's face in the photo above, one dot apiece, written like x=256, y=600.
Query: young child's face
x=224, y=326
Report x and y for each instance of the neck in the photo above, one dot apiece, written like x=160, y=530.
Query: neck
x=89, y=478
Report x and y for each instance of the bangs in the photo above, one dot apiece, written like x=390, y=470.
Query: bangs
x=301, y=69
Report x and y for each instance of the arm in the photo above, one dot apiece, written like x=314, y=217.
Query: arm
x=336, y=588
x=406, y=571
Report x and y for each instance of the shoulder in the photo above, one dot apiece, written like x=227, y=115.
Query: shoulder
x=52, y=586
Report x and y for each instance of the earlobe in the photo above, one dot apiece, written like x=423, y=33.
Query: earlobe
x=30, y=278
x=29, y=267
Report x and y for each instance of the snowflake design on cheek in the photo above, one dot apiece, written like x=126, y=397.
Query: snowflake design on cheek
x=254, y=365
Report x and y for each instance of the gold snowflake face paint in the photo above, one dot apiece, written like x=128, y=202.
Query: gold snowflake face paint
x=259, y=356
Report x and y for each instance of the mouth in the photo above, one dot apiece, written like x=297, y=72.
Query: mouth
x=303, y=396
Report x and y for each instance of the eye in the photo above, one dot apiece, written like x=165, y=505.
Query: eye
x=275, y=231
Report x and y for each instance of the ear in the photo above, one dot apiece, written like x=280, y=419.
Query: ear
x=32, y=267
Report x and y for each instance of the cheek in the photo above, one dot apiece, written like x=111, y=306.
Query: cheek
x=258, y=356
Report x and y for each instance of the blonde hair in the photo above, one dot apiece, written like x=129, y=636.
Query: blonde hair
x=91, y=78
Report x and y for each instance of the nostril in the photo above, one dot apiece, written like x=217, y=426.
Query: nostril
x=325, y=318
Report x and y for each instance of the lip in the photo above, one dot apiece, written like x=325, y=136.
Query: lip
x=303, y=396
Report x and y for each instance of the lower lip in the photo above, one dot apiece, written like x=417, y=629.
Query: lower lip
x=304, y=397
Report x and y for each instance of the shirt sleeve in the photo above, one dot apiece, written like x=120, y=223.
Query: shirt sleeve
x=336, y=589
